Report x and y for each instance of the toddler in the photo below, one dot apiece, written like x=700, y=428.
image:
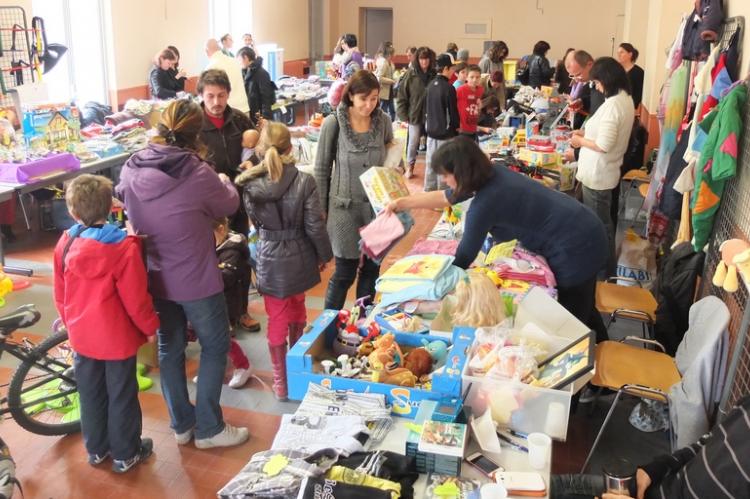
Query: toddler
x=249, y=141
x=97, y=259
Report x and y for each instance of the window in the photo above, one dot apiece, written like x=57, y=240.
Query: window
x=81, y=74
x=230, y=16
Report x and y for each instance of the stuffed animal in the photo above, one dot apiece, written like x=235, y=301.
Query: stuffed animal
x=399, y=376
x=386, y=352
x=438, y=349
x=419, y=362
x=735, y=255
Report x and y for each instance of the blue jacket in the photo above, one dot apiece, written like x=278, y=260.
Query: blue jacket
x=512, y=206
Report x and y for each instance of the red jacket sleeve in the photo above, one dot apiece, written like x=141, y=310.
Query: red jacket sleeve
x=59, y=282
x=132, y=286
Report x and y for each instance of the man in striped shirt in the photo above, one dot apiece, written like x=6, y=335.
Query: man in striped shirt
x=717, y=466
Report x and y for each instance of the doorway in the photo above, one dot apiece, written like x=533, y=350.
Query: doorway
x=376, y=27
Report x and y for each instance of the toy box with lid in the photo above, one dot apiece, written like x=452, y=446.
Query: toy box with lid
x=524, y=407
x=304, y=366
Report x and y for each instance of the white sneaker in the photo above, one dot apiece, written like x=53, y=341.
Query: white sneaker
x=229, y=436
x=184, y=438
x=239, y=378
x=195, y=379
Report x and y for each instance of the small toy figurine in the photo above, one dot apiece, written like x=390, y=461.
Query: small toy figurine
x=438, y=349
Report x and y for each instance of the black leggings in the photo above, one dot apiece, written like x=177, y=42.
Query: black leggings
x=343, y=277
x=580, y=300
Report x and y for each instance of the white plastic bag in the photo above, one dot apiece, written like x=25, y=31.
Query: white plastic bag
x=637, y=260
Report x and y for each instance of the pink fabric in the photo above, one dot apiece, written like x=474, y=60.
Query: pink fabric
x=378, y=235
x=236, y=356
x=730, y=145
x=434, y=247
x=282, y=312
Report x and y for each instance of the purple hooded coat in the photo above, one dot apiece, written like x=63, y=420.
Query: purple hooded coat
x=172, y=197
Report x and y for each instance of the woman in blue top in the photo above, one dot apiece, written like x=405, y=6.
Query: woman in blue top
x=508, y=206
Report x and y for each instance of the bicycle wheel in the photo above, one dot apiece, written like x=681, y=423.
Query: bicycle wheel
x=43, y=396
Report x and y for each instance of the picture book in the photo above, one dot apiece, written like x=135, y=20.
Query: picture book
x=566, y=366
x=447, y=439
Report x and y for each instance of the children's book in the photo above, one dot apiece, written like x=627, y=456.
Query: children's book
x=448, y=439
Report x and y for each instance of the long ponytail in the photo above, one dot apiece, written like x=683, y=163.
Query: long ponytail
x=276, y=140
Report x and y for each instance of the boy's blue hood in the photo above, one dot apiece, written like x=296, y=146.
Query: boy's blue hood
x=107, y=234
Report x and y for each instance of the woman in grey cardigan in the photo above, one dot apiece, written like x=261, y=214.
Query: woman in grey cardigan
x=356, y=137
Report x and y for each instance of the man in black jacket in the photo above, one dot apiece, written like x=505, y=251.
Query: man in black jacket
x=715, y=466
x=222, y=134
x=441, y=117
x=261, y=91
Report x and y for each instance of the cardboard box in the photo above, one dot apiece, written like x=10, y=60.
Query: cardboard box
x=303, y=367
x=520, y=406
x=56, y=125
x=383, y=185
x=536, y=158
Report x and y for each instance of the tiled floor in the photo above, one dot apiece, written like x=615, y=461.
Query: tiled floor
x=55, y=467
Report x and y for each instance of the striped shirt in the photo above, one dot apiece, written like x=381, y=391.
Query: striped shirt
x=715, y=467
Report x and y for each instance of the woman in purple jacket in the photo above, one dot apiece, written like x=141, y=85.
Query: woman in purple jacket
x=172, y=196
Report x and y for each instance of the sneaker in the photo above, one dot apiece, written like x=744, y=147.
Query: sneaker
x=229, y=436
x=249, y=324
x=97, y=459
x=240, y=377
x=185, y=437
x=122, y=466
x=195, y=379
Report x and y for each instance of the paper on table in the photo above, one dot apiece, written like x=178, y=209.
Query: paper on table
x=483, y=429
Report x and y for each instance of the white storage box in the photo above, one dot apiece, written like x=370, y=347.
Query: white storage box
x=522, y=407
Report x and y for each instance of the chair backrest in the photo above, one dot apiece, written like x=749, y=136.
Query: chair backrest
x=708, y=319
x=702, y=360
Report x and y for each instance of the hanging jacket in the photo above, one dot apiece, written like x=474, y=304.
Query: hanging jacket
x=261, y=91
x=225, y=145
x=674, y=292
x=441, y=109
x=718, y=161
x=102, y=293
x=172, y=197
x=411, y=95
x=292, y=237
x=702, y=27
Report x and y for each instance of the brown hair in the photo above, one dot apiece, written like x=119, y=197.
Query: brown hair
x=361, y=82
x=220, y=222
x=89, y=198
x=462, y=158
x=165, y=55
x=216, y=77
x=275, y=143
x=460, y=67
x=424, y=53
x=180, y=126
x=498, y=51
x=473, y=68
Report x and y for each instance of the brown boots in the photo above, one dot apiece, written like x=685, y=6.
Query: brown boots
x=278, y=361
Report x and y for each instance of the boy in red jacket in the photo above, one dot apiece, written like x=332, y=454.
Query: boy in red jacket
x=102, y=297
x=469, y=96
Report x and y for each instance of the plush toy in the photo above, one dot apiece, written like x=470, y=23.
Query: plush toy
x=399, y=376
x=735, y=255
x=419, y=362
x=386, y=352
x=438, y=349
x=347, y=341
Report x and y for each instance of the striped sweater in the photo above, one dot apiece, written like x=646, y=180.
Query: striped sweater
x=717, y=466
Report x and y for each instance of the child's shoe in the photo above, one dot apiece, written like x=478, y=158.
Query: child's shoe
x=97, y=459
x=240, y=377
x=249, y=324
x=123, y=466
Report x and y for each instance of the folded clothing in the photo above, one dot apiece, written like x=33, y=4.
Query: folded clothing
x=425, y=277
x=434, y=247
x=319, y=487
x=380, y=235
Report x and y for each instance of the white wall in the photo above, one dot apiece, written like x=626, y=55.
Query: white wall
x=586, y=24
x=741, y=8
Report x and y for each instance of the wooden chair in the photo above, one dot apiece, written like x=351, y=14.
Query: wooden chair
x=650, y=374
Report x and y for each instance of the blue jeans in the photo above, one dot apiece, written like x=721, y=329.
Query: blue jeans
x=388, y=108
x=208, y=317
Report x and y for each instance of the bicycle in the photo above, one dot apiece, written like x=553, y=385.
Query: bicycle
x=42, y=395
